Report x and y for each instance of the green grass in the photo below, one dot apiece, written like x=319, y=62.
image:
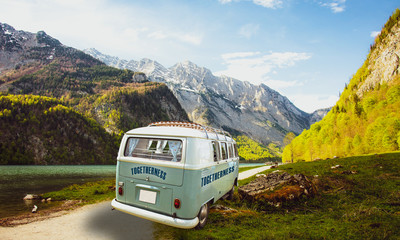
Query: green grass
x=90, y=192
x=363, y=205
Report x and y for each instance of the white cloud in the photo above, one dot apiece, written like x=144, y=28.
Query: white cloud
x=256, y=67
x=279, y=84
x=159, y=35
x=311, y=102
x=224, y=1
x=337, y=6
x=286, y=59
x=374, y=34
x=269, y=3
x=133, y=33
x=191, y=38
x=273, y=4
x=249, y=30
x=228, y=56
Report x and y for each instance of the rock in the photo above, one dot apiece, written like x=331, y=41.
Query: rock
x=261, y=175
x=222, y=209
x=275, y=188
x=336, y=166
x=348, y=172
x=34, y=210
x=31, y=197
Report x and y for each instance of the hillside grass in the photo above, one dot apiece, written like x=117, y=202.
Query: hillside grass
x=358, y=200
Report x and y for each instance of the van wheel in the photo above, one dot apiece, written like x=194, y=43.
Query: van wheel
x=203, y=215
x=230, y=193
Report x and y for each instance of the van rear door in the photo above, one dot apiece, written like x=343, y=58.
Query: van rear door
x=151, y=167
x=154, y=159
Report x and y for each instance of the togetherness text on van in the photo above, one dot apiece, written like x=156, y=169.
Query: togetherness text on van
x=171, y=172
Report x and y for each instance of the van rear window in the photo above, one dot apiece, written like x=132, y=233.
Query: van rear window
x=151, y=148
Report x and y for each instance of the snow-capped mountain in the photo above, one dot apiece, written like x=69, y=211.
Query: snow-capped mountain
x=257, y=111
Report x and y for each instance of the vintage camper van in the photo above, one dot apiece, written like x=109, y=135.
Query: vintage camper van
x=171, y=172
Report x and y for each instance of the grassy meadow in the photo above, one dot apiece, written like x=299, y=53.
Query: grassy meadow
x=358, y=200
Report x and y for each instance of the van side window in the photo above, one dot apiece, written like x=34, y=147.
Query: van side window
x=215, y=150
x=230, y=150
x=224, y=152
x=160, y=149
x=236, y=150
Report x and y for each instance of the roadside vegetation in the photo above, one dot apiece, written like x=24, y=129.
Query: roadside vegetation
x=87, y=193
x=357, y=199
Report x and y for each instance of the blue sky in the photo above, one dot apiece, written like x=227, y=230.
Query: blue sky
x=305, y=49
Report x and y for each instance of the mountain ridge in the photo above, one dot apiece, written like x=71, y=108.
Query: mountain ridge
x=257, y=111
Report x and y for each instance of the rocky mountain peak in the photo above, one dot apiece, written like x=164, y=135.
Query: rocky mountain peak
x=8, y=40
x=257, y=111
x=46, y=40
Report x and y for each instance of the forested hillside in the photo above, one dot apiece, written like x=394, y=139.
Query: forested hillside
x=131, y=106
x=366, y=118
x=42, y=130
x=250, y=150
x=59, y=105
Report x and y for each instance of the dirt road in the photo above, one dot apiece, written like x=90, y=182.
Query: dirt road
x=95, y=221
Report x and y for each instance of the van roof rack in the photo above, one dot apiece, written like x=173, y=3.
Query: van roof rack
x=196, y=126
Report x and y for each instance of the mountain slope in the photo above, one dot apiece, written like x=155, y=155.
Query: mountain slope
x=366, y=119
x=42, y=130
x=256, y=111
x=86, y=88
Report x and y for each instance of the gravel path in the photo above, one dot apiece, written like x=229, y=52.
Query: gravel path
x=95, y=221
x=251, y=172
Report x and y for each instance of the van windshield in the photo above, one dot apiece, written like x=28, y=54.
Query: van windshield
x=152, y=148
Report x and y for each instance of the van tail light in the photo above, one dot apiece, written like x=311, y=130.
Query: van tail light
x=177, y=203
x=120, y=188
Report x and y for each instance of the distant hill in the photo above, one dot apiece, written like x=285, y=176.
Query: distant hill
x=366, y=118
x=94, y=103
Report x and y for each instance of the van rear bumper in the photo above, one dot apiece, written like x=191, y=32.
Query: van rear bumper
x=155, y=217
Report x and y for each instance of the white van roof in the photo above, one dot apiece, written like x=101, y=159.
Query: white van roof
x=182, y=129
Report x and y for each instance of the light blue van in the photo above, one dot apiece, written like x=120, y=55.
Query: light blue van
x=171, y=172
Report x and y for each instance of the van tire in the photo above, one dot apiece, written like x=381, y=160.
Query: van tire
x=203, y=215
x=230, y=193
